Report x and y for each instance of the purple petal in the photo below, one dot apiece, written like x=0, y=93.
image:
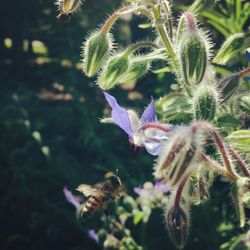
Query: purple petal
x=149, y=113
x=138, y=190
x=93, y=235
x=71, y=198
x=153, y=147
x=119, y=114
x=162, y=186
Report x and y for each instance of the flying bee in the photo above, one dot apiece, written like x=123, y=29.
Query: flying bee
x=67, y=7
x=99, y=195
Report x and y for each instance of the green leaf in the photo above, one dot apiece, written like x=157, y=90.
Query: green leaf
x=240, y=140
x=228, y=121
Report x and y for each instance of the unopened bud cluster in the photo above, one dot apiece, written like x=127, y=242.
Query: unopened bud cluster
x=179, y=156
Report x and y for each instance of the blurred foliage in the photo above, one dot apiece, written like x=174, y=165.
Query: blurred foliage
x=51, y=135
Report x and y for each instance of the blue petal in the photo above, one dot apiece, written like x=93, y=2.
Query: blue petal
x=71, y=198
x=153, y=148
x=119, y=114
x=149, y=113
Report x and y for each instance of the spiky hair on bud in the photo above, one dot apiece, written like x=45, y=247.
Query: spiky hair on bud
x=177, y=219
x=179, y=155
x=139, y=66
x=205, y=102
x=112, y=73
x=66, y=7
x=96, y=48
x=193, y=48
x=197, y=190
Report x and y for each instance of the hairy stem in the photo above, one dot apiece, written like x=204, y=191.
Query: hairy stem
x=218, y=168
x=219, y=143
x=139, y=45
x=180, y=189
x=241, y=163
x=164, y=37
x=155, y=125
x=117, y=14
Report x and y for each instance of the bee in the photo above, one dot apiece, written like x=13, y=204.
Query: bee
x=67, y=6
x=99, y=195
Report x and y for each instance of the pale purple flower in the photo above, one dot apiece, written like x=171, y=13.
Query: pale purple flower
x=74, y=200
x=162, y=186
x=146, y=192
x=138, y=190
x=93, y=235
x=129, y=122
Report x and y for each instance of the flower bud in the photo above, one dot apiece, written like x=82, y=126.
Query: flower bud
x=95, y=51
x=67, y=6
x=138, y=67
x=228, y=85
x=205, y=103
x=193, y=57
x=231, y=47
x=199, y=185
x=179, y=155
x=201, y=5
x=244, y=104
x=113, y=71
x=177, y=221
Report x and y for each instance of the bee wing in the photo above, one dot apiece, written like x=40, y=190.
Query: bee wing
x=88, y=190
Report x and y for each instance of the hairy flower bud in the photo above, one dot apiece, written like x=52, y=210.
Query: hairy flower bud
x=205, y=103
x=179, y=155
x=138, y=67
x=231, y=47
x=228, y=85
x=67, y=6
x=113, y=71
x=177, y=221
x=95, y=51
x=199, y=185
x=193, y=57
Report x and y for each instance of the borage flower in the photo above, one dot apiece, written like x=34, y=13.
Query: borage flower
x=73, y=199
x=93, y=235
x=140, y=135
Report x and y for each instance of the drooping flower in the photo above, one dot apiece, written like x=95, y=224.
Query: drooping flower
x=128, y=121
x=179, y=155
x=73, y=199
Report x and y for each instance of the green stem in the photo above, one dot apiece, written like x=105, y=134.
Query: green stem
x=139, y=45
x=219, y=144
x=167, y=8
x=180, y=189
x=120, y=12
x=164, y=37
x=218, y=168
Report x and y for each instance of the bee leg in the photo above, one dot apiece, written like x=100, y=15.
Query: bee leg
x=106, y=211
